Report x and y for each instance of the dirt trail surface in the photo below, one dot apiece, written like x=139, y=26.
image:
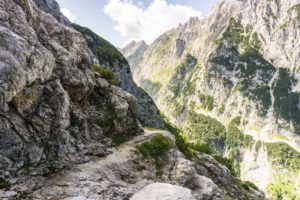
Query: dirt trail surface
x=97, y=179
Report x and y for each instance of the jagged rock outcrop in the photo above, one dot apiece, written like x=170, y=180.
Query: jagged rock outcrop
x=52, y=7
x=111, y=58
x=54, y=110
x=247, y=59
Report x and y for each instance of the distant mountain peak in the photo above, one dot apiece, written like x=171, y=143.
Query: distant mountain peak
x=135, y=44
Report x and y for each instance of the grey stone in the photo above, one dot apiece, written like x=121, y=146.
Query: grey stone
x=54, y=111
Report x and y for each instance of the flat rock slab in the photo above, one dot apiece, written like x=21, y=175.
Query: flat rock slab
x=163, y=191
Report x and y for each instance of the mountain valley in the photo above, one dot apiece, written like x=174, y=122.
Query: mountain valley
x=209, y=111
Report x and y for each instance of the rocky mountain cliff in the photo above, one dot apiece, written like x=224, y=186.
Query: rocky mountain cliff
x=110, y=58
x=64, y=121
x=54, y=109
x=52, y=7
x=231, y=80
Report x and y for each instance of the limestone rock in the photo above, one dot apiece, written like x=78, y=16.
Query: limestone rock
x=134, y=52
x=54, y=111
x=148, y=113
x=163, y=191
x=52, y=7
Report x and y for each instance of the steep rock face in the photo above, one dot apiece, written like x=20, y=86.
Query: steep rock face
x=244, y=74
x=111, y=58
x=54, y=110
x=52, y=7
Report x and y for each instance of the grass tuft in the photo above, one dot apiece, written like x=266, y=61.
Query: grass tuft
x=4, y=184
x=156, y=147
x=105, y=73
x=247, y=185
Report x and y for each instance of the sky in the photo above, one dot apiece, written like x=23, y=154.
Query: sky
x=121, y=21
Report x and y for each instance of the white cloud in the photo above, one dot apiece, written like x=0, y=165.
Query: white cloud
x=136, y=23
x=69, y=14
x=140, y=3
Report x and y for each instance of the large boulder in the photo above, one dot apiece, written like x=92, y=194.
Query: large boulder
x=163, y=191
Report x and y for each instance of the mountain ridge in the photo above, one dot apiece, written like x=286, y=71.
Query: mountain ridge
x=110, y=57
x=241, y=62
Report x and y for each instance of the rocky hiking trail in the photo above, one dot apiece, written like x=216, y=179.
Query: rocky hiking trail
x=127, y=175
x=90, y=180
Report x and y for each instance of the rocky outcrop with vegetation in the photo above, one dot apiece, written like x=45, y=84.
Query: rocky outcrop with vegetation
x=149, y=167
x=55, y=110
x=110, y=58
